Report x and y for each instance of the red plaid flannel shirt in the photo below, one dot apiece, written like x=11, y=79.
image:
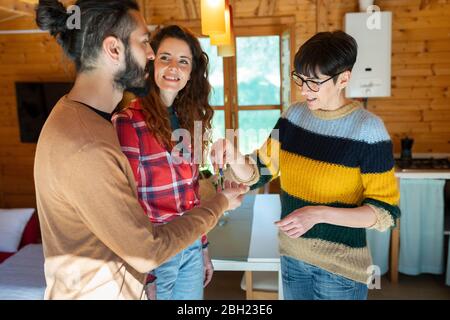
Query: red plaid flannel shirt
x=166, y=189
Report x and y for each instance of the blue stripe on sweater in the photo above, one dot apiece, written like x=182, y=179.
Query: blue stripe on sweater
x=371, y=158
x=360, y=125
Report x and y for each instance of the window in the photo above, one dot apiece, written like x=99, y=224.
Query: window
x=254, y=128
x=216, y=79
x=215, y=72
x=258, y=70
x=258, y=85
x=250, y=89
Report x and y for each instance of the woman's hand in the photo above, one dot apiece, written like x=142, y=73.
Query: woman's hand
x=208, y=266
x=222, y=153
x=301, y=221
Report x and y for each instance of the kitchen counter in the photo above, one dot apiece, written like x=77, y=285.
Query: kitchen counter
x=417, y=173
x=422, y=174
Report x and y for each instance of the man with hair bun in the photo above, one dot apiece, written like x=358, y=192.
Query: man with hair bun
x=98, y=243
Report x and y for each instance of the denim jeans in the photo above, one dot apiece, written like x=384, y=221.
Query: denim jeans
x=303, y=281
x=181, y=277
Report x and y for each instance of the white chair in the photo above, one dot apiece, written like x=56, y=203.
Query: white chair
x=260, y=285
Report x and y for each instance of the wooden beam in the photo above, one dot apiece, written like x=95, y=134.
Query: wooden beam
x=240, y=23
x=142, y=8
x=272, y=6
x=262, y=8
x=183, y=9
x=265, y=8
x=322, y=15
x=25, y=7
x=15, y=16
x=192, y=9
x=424, y=4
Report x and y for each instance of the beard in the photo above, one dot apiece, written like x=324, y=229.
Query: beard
x=132, y=79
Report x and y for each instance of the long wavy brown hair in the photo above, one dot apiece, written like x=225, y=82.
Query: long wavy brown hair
x=191, y=103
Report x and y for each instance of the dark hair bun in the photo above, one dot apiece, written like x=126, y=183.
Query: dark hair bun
x=51, y=15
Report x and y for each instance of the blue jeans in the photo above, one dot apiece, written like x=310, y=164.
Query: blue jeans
x=181, y=277
x=303, y=281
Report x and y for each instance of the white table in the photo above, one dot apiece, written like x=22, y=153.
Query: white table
x=246, y=239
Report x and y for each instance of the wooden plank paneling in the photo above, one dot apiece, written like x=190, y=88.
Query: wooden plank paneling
x=441, y=68
x=322, y=15
x=408, y=127
x=440, y=103
x=27, y=57
x=420, y=34
x=412, y=70
x=420, y=81
x=400, y=105
x=395, y=116
x=17, y=7
x=440, y=127
x=436, y=116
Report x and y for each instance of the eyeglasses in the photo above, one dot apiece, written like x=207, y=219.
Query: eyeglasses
x=311, y=84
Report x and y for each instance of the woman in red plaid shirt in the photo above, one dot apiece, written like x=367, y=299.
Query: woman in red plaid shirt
x=167, y=183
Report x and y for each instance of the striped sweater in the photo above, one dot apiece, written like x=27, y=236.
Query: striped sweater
x=339, y=158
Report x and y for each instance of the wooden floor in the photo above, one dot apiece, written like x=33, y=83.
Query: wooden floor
x=226, y=286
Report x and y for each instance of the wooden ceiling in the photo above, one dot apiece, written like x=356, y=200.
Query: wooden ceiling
x=16, y=13
x=16, y=9
x=13, y=9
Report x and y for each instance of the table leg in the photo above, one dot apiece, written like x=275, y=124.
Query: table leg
x=280, y=284
x=249, y=285
x=395, y=245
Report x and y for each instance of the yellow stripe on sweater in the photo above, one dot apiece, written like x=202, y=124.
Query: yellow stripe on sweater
x=269, y=155
x=382, y=187
x=318, y=181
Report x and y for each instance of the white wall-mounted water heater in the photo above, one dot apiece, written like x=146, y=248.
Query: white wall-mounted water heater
x=371, y=75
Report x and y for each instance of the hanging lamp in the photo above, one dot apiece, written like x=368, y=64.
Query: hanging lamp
x=213, y=17
x=220, y=39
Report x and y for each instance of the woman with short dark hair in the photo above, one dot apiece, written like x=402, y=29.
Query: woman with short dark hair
x=336, y=167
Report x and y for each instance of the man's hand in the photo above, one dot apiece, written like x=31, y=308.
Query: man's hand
x=300, y=221
x=208, y=266
x=234, y=192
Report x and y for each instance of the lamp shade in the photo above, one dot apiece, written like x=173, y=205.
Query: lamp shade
x=227, y=50
x=220, y=39
x=213, y=17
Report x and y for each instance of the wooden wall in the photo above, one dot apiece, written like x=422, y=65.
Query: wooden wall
x=420, y=102
x=28, y=57
x=419, y=106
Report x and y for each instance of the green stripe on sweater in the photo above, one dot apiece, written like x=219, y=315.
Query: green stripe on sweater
x=352, y=237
